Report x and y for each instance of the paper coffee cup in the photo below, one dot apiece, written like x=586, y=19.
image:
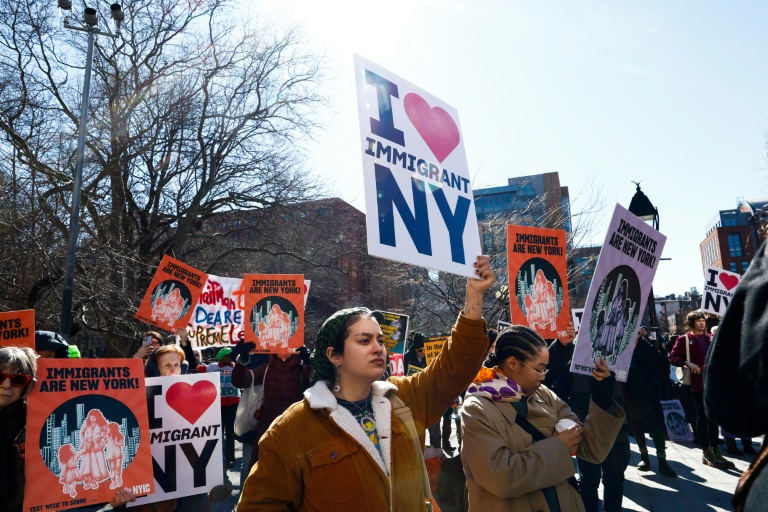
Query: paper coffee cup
x=564, y=424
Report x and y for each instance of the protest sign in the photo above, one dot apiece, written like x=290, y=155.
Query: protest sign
x=674, y=419
x=87, y=433
x=719, y=286
x=396, y=363
x=17, y=328
x=395, y=329
x=413, y=370
x=419, y=203
x=307, y=282
x=171, y=295
x=576, y=316
x=538, y=279
x=500, y=326
x=185, y=435
x=617, y=296
x=433, y=345
x=219, y=313
x=274, y=305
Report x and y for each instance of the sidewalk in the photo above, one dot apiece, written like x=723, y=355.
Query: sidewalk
x=697, y=487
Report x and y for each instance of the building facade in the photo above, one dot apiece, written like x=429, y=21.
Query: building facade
x=734, y=236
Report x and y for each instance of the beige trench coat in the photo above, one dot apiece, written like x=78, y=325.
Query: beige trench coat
x=506, y=471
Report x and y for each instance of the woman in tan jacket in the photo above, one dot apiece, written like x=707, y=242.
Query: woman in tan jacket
x=344, y=447
x=506, y=468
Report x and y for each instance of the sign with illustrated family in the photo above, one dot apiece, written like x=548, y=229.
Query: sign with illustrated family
x=418, y=199
x=87, y=433
x=538, y=276
x=616, y=299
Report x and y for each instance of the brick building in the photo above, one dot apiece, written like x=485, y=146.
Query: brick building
x=734, y=236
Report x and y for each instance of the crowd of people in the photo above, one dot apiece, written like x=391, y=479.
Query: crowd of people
x=336, y=431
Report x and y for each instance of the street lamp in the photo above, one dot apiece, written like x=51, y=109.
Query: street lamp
x=642, y=208
x=88, y=25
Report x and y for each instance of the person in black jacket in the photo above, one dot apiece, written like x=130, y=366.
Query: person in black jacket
x=736, y=379
x=644, y=389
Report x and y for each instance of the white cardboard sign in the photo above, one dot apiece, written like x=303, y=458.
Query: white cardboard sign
x=674, y=419
x=185, y=435
x=418, y=197
x=576, y=314
x=719, y=286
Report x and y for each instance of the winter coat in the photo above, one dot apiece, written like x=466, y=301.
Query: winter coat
x=13, y=420
x=645, y=383
x=506, y=471
x=316, y=457
x=283, y=387
x=698, y=354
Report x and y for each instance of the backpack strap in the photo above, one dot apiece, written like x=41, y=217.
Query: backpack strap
x=403, y=412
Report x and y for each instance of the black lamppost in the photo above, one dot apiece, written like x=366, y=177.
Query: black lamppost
x=89, y=26
x=642, y=208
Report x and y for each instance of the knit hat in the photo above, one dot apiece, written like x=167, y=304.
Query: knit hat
x=322, y=368
x=223, y=352
x=49, y=340
x=74, y=352
x=418, y=340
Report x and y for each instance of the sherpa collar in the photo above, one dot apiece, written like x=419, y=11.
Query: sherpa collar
x=320, y=397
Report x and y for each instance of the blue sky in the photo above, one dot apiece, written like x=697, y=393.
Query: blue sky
x=672, y=94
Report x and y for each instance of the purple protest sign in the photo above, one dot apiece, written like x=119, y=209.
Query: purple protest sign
x=617, y=296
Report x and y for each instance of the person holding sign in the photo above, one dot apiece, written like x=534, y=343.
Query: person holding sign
x=355, y=441
x=519, y=437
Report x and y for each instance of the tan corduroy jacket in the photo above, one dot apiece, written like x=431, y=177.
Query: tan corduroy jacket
x=506, y=471
x=316, y=457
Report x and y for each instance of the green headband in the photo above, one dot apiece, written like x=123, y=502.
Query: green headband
x=322, y=368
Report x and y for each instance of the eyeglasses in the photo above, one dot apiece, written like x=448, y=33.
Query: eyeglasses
x=18, y=380
x=537, y=372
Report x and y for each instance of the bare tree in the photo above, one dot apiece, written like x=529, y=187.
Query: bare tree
x=191, y=114
x=437, y=297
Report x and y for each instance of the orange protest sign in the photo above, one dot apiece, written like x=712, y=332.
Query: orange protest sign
x=18, y=328
x=538, y=279
x=274, y=310
x=171, y=295
x=87, y=433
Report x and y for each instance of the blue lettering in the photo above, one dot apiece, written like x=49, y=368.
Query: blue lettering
x=200, y=315
x=382, y=149
x=385, y=125
x=454, y=221
x=456, y=181
x=388, y=193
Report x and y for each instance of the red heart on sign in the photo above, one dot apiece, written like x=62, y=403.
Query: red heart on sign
x=435, y=125
x=728, y=281
x=191, y=401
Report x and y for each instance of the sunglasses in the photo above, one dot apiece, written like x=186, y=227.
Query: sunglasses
x=18, y=380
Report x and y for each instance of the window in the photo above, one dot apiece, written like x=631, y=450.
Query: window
x=734, y=244
x=744, y=265
x=733, y=267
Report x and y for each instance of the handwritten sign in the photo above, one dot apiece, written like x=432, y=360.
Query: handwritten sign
x=617, y=296
x=536, y=260
x=274, y=305
x=185, y=434
x=218, y=318
x=18, y=328
x=171, y=295
x=87, y=433
x=419, y=203
x=719, y=286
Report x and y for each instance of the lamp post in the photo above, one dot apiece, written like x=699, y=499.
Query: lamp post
x=89, y=26
x=642, y=208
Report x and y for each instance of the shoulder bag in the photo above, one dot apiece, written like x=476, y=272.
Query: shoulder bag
x=403, y=412
x=683, y=373
x=251, y=401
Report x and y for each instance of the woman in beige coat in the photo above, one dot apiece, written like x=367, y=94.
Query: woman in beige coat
x=506, y=468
